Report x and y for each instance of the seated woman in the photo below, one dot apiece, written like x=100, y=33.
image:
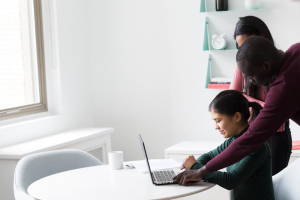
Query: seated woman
x=250, y=178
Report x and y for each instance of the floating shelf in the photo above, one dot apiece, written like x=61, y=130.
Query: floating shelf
x=208, y=73
x=208, y=6
x=206, y=42
x=208, y=78
x=204, y=9
x=203, y=6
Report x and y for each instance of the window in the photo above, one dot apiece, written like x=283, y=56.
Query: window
x=22, y=68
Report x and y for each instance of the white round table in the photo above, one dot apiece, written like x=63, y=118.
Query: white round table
x=97, y=183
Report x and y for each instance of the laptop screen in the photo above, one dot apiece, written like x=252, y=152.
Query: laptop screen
x=146, y=157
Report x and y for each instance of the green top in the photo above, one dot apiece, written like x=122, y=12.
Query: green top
x=250, y=178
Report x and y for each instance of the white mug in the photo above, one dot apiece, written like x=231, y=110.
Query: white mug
x=115, y=159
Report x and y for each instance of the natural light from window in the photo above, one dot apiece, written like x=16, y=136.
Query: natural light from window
x=19, y=80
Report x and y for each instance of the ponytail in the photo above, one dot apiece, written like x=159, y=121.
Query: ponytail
x=229, y=102
x=255, y=110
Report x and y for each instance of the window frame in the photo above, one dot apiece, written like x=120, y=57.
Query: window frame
x=42, y=105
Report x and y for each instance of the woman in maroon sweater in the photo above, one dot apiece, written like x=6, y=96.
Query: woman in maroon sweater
x=281, y=141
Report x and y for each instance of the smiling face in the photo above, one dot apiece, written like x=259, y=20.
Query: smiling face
x=228, y=126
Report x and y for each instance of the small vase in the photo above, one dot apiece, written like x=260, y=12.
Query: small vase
x=252, y=4
x=221, y=5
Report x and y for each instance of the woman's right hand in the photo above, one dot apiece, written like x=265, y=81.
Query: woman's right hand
x=188, y=162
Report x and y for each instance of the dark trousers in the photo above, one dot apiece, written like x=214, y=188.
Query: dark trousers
x=281, y=149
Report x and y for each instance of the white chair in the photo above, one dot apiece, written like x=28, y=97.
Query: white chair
x=286, y=183
x=36, y=166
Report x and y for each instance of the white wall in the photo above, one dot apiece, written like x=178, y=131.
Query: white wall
x=69, y=88
x=145, y=64
x=137, y=66
x=148, y=68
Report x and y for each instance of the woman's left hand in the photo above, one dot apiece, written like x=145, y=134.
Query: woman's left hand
x=188, y=162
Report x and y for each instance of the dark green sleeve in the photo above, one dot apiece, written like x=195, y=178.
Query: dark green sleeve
x=203, y=159
x=243, y=170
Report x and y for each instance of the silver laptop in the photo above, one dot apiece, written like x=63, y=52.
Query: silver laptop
x=163, y=177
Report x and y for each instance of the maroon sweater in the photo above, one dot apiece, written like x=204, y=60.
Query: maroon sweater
x=282, y=103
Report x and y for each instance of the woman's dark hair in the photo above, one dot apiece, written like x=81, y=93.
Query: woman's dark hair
x=229, y=102
x=251, y=25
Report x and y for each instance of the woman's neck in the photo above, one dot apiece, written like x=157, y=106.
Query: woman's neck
x=241, y=128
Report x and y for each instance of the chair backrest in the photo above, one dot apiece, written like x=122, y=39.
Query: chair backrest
x=36, y=166
x=286, y=183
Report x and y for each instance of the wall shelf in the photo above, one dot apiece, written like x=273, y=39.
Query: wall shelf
x=205, y=8
x=219, y=65
x=208, y=73
x=206, y=42
x=208, y=85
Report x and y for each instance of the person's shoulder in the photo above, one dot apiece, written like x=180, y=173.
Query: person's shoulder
x=289, y=72
x=294, y=48
x=263, y=150
x=229, y=140
x=226, y=143
x=262, y=154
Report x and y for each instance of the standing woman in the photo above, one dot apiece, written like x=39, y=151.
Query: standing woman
x=280, y=142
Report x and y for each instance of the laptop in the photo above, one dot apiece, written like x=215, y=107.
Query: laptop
x=163, y=177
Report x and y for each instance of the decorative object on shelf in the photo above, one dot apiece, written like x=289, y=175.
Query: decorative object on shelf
x=220, y=80
x=222, y=83
x=221, y=5
x=219, y=41
x=252, y=4
x=219, y=83
x=218, y=86
x=296, y=145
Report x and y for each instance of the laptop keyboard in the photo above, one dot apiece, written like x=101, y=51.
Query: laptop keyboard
x=164, y=176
